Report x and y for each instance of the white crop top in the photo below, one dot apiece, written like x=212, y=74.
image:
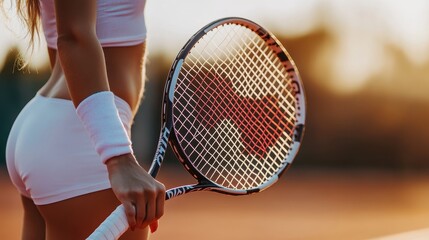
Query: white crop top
x=119, y=22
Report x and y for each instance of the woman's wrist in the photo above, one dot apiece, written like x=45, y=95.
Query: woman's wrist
x=118, y=161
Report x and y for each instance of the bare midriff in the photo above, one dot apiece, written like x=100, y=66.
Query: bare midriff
x=125, y=72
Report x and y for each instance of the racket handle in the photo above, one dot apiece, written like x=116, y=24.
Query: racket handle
x=112, y=227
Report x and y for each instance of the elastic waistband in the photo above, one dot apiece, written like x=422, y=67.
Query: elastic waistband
x=123, y=107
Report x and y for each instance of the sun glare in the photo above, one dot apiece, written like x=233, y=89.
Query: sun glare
x=362, y=29
x=408, y=27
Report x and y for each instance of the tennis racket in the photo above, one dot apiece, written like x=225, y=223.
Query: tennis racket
x=233, y=112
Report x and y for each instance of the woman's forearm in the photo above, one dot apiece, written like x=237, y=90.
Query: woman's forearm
x=82, y=60
x=79, y=50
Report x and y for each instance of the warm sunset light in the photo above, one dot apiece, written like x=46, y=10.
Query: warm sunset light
x=362, y=32
x=362, y=171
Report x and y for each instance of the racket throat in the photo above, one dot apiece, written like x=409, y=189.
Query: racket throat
x=178, y=191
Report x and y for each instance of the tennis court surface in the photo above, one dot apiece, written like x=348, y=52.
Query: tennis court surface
x=305, y=204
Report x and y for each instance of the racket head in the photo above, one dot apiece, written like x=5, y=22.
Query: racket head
x=234, y=107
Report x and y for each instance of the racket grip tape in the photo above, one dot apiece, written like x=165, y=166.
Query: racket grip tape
x=112, y=227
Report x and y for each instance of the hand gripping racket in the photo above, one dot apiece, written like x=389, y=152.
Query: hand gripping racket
x=233, y=112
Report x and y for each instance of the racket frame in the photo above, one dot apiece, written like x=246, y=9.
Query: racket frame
x=167, y=133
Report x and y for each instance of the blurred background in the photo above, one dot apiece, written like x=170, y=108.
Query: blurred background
x=362, y=171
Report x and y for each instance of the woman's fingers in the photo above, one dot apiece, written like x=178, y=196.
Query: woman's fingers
x=140, y=211
x=154, y=226
x=160, y=200
x=154, y=205
x=150, y=211
x=149, y=205
x=130, y=212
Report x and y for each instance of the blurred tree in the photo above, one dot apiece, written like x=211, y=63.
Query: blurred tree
x=373, y=127
x=17, y=87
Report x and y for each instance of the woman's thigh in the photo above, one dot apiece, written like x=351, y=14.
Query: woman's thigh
x=78, y=217
x=33, y=224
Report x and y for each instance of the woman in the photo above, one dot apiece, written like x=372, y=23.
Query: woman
x=69, y=153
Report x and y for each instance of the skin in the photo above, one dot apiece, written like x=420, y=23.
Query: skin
x=81, y=67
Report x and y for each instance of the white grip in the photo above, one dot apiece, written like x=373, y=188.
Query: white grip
x=113, y=227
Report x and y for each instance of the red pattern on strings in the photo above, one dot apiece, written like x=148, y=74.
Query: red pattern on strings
x=261, y=122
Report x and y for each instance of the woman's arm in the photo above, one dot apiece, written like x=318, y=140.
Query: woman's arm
x=81, y=57
x=80, y=53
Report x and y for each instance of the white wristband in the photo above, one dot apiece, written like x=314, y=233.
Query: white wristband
x=100, y=117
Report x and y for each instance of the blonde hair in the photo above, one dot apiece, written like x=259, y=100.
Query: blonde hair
x=29, y=13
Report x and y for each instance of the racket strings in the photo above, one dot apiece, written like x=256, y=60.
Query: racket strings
x=249, y=88
x=234, y=108
x=217, y=169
